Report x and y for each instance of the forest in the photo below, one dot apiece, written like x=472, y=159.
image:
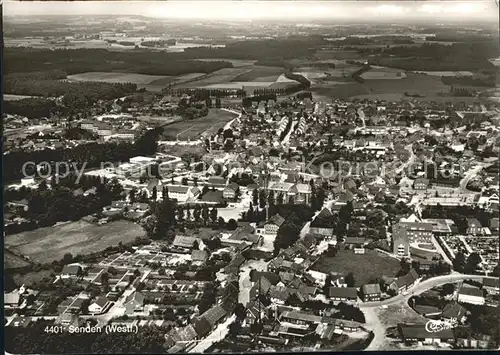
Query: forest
x=74, y=61
x=76, y=95
x=436, y=57
x=30, y=107
x=92, y=154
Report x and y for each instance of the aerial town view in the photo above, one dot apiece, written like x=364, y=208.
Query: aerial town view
x=243, y=176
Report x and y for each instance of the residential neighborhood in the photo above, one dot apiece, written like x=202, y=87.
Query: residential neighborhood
x=209, y=218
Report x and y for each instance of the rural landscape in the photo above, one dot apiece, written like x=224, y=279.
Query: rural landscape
x=250, y=177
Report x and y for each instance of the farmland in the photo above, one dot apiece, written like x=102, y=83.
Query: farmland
x=383, y=89
x=383, y=73
x=236, y=78
x=193, y=129
x=218, y=77
x=9, y=97
x=363, y=266
x=111, y=77
x=51, y=243
x=260, y=74
x=154, y=83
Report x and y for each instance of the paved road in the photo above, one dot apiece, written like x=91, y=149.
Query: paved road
x=217, y=335
x=362, y=116
x=441, y=251
x=422, y=287
x=471, y=174
x=410, y=161
x=373, y=322
x=285, y=140
x=230, y=123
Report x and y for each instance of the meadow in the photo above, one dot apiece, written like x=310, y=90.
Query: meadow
x=364, y=267
x=193, y=129
x=47, y=244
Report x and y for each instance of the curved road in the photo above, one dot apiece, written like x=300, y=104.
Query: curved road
x=472, y=174
x=423, y=286
x=375, y=324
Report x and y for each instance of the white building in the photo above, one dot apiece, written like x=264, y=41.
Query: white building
x=471, y=295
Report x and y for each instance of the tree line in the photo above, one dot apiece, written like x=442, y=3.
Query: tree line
x=31, y=107
x=203, y=94
x=76, y=95
x=91, y=154
x=73, y=61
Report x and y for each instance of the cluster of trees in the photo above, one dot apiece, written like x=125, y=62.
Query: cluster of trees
x=466, y=265
x=89, y=155
x=279, y=49
x=289, y=232
x=458, y=215
x=357, y=74
x=480, y=321
x=349, y=312
x=35, y=340
x=49, y=206
x=159, y=43
x=462, y=92
x=304, y=83
x=166, y=215
x=274, y=62
x=73, y=61
x=469, y=81
x=30, y=107
x=203, y=94
x=304, y=95
x=287, y=128
x=75, y=95
x=437, y=57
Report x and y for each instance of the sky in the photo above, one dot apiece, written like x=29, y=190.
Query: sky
x=234, y=10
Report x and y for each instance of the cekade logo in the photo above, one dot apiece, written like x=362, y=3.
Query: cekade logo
x=434, y=326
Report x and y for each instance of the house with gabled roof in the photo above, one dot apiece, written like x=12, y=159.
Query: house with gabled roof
x=343, y=294
x=453, y=311
x=134, y=303
x=371, y=292
x=273, y=224
x=404, y=282
x=71, y=271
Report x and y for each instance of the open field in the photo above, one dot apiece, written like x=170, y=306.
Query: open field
x=383, y=73
x=239, y=84
x=338, y=54
x=13, y=261
x=237, y=78
x=51, y=243
x=426, y=85
x=446, y=73
x=364, y=266
x=10, y=97
x=220, y=76
x=236, y=62
x=159, y=84
x=311, y=74
x=193, y=129
x=110, y=77
x=260, y=73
